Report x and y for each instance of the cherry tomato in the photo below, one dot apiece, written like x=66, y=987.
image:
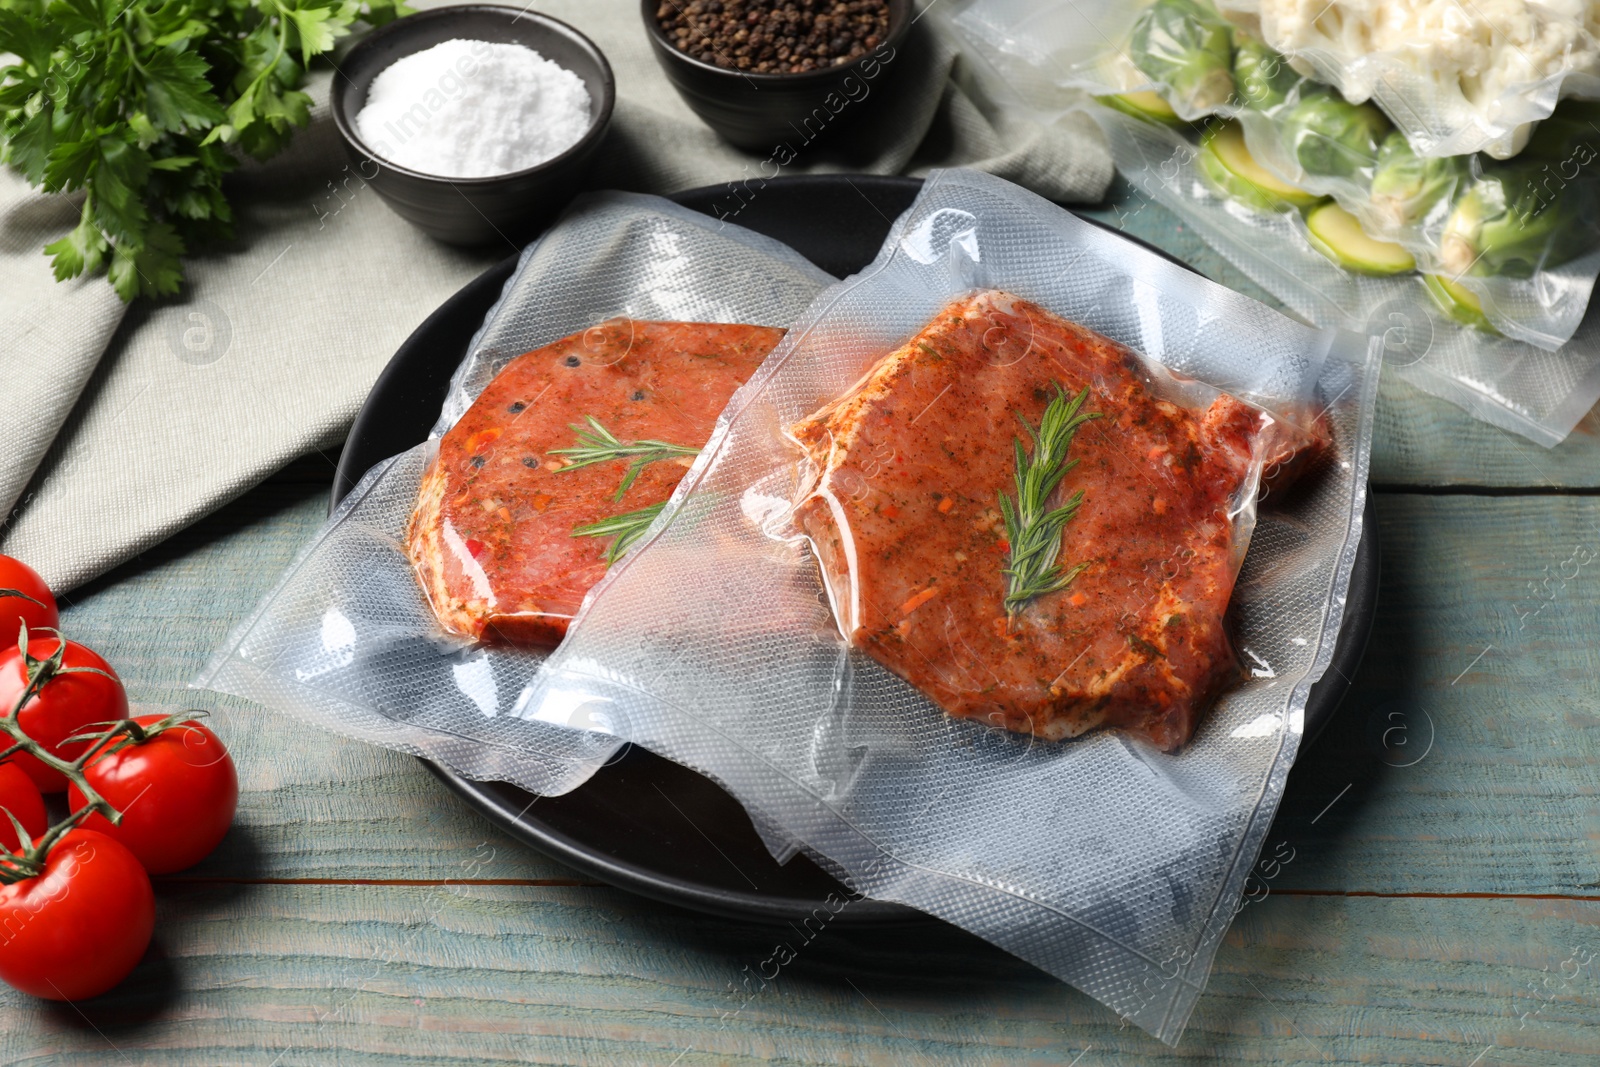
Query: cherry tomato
x=78, y=928
x=64, y=706
x=20, y=797
x=17, y=577
x=177, y=793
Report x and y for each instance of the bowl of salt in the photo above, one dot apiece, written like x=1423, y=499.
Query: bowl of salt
x=475, y=123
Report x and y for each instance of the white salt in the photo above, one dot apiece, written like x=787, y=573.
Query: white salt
x=471, y=109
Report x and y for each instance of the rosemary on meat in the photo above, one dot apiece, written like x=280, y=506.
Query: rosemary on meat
x=599, y=445
x=625, y=529
x=1032, y=527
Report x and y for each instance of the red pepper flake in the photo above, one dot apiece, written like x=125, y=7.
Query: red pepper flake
x=919, y=599
x=474, y=547
x=946, y=504
x=889, y=511
x=477, y=441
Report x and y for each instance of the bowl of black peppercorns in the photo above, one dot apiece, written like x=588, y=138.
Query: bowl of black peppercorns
x=777, y=75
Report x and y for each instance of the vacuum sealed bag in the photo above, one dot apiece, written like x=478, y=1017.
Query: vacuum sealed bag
x=1436, y=336
x=1517, y=241
x=1455, y=77
x=988, y=496
x=407, y=619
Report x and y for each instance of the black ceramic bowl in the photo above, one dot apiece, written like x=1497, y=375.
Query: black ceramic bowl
x=469, y=211
x=761, y=112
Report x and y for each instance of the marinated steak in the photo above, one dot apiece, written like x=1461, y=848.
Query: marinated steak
x=497, y=537
x=906, y=520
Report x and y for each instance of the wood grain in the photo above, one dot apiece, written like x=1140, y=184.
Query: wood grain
x=1421, y=910
x=1503, y=803
x=273, y=976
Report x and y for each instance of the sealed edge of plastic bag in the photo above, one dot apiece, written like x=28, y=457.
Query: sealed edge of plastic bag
x=542, y=758
x=1538, y=394
x=1531, y=275
x=713, y=642
x=717, y=296
x=347, y=640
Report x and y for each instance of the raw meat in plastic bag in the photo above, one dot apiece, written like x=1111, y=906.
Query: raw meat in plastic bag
x=925, y=567
x=347, y=640
x=1103, y=860
x=534, y=494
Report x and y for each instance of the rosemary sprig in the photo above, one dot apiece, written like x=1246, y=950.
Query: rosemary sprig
x=599, y=445
x=1034, y=531
x=626, y=528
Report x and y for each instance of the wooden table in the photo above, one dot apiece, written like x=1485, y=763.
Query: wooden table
x=1441, y=912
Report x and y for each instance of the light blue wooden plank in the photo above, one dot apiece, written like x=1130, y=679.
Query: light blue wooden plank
x=1463, y=654
x=1505, y=802
x=311, y=804
x=317, y=975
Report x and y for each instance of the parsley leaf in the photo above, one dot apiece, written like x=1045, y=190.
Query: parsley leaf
x=144, y=106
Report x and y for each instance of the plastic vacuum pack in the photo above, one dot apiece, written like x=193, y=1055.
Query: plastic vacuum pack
x=1521, y=238
x=1106, y=860
x=1511, y=384
x=347, y=640
x=1456, y=78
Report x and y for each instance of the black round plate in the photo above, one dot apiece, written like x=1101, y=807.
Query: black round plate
x=699, y=850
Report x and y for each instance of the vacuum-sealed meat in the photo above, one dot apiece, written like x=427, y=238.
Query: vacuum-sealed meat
x=1013, y=519
x=563, y=456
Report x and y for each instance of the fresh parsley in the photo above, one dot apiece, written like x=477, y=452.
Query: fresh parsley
x=144, y=106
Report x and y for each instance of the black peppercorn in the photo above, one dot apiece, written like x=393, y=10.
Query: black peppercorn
x=768, y=37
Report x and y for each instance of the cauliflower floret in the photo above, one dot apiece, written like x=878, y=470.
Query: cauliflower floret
x=1465, y=54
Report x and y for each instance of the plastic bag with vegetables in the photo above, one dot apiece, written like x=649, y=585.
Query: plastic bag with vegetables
x=1455, y=77
x=1320, y=262
x=1365, y=198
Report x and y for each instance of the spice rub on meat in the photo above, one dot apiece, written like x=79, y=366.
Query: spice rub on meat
x=906, y=521
x=496, y=537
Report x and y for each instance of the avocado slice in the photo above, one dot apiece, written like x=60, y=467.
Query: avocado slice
x=1228, y=164
x=1145, y=104
x=1459, y=302
x=1338, y=235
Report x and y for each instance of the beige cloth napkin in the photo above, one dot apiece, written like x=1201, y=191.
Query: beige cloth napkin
x=123, y=425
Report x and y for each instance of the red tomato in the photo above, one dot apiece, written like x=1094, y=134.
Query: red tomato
x=77, y=929
x=20, y=797
x=66, y=704
x=17, y=577
x=176, y=791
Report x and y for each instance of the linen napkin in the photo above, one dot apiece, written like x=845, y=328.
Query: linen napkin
x=122, y=424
